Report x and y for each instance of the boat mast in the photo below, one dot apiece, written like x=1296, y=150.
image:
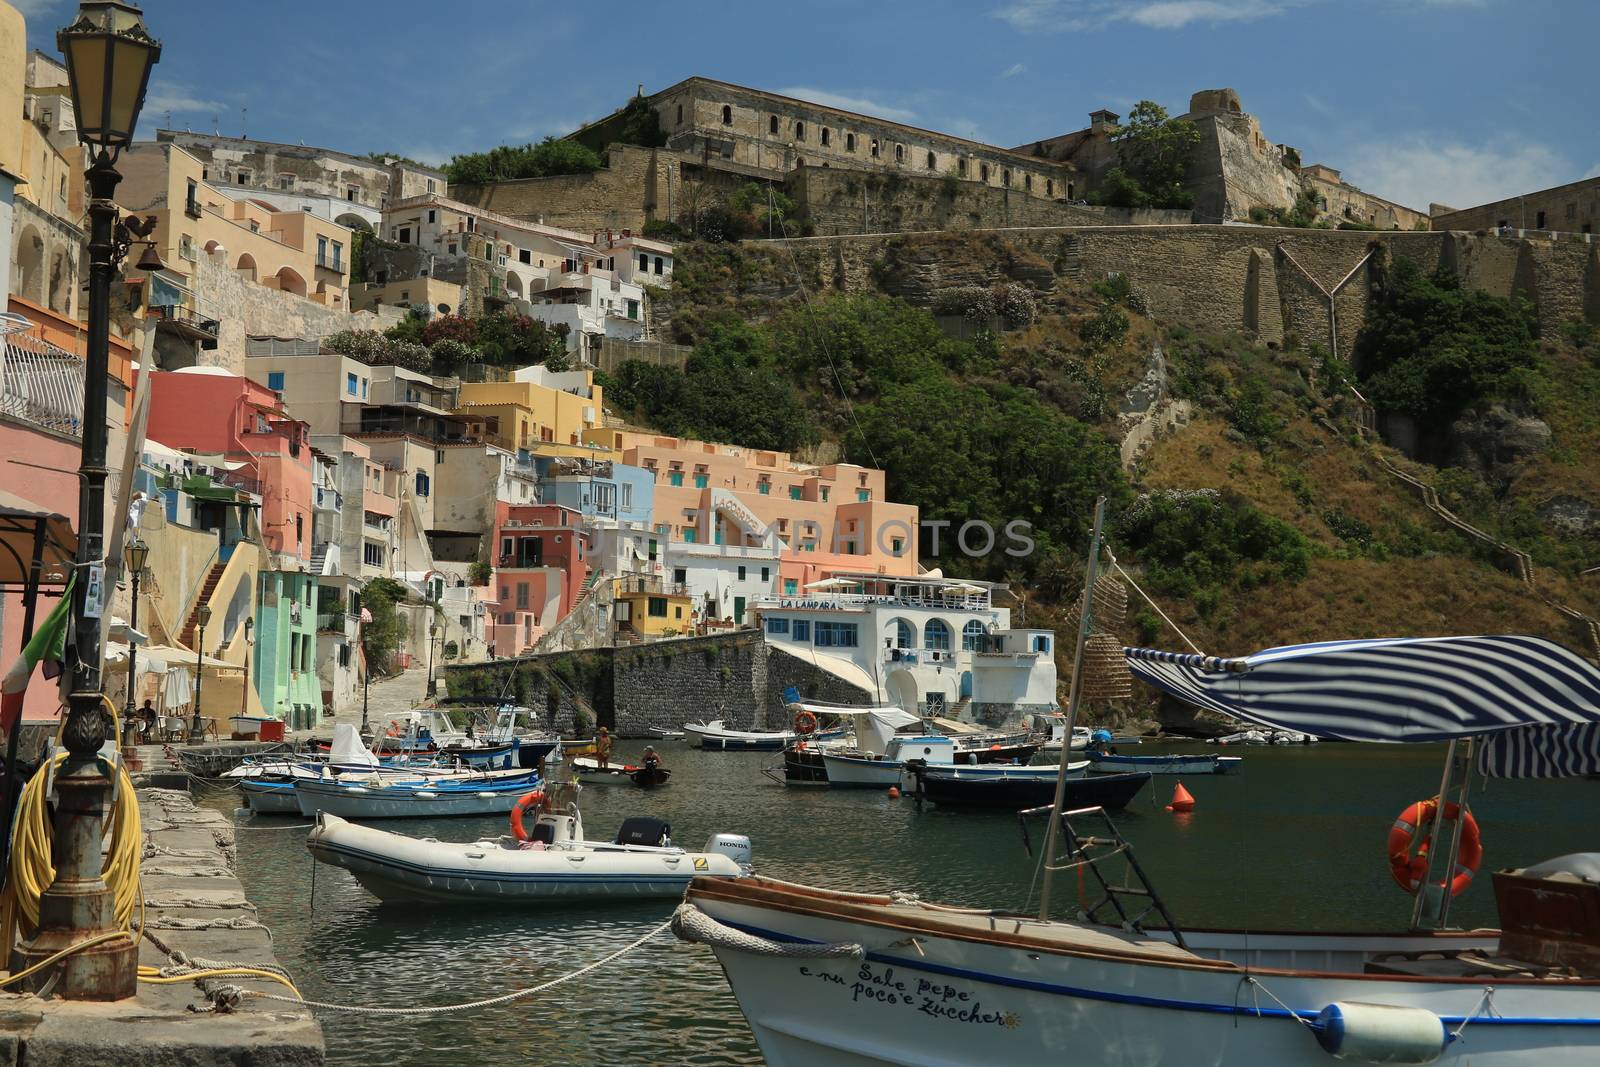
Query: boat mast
x=1085, y=623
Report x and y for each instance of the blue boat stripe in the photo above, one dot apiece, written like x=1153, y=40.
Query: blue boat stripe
x=919, y=964
x=483, y=876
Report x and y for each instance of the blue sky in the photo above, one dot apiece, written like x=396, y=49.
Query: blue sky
x=1457, y=101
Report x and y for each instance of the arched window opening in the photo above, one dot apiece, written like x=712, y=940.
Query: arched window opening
x=899, y=153
x=961, y=167
x=905, y=635
x=932, y=162
x=727, y=115
x=983, y=172
x=799, y=131
x=1005, y=177
x=824, y=137
x=972, y=636
x=936, y=635
x=849, y=142
x=772, y=125
x=874, y=148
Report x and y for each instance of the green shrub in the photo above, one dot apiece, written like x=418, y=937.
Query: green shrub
x=507, y=162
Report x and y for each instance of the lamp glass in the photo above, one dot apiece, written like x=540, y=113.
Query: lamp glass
x=136, y=555
x=203, y=614
x=109, y=55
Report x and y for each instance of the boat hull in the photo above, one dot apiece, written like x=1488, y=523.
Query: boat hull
x=970, y=999
x=948, y=789
x=804, y=766
x=855, y=772
x=393, y=868
x=1176, y=764
x=270, y=797
x=412, y=801
x=524, y=754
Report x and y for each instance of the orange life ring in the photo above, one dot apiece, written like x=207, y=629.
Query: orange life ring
x=805, y=723
x=533, y=802
x=1413, y=827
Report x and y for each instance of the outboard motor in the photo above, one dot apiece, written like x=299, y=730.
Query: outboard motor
x=734, y=846
x=643, y=830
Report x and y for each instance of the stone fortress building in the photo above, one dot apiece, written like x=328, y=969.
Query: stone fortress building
x=853, y=173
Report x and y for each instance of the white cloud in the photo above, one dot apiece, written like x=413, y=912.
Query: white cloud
x=179, y=99
x=1061, y=15
x=1175, y=14
x=1013, y=70
x=846, y=102
x=1419, y=170
x=32, y=9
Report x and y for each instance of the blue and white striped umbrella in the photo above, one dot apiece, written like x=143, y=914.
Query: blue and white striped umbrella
x=1407, y=690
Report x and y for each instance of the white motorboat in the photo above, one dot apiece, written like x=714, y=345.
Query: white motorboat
x=1051, y=729
x=715, y=736
x=1176, y=763
x=271, y=795
x=557, y=865
x=837, y=978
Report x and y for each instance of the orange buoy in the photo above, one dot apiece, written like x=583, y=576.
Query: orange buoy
x=994, y=748
x=894, y=792
x=1182, y=801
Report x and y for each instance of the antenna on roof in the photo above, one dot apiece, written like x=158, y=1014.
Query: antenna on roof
x=216, y=126
x=244, y=123
x=169, y=120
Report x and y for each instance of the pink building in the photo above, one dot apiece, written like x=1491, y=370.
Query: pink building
x=211, y=410
x=541, y=568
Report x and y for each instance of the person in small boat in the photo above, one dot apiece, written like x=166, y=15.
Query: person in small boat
x=651, y=761
x=602, y=748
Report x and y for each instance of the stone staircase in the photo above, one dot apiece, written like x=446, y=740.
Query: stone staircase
x=319, y=558
x=192, y=625
x=961, y=708
x=1069, y=257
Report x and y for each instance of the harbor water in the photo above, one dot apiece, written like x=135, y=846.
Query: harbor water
x=1295, y=841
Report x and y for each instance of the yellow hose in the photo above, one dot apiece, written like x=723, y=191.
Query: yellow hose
x=31, y=868
x=154, y=976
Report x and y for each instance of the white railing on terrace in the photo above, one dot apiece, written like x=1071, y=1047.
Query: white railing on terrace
x=854, y=601
x=39, y=382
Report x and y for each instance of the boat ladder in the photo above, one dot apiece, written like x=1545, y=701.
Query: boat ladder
x=1127, y=899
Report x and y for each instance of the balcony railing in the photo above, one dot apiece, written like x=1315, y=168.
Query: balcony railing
x=329, y=499
x=651, y=585
x=42, y=384
x=192, y=208
x=239, y=480
x=184, y=322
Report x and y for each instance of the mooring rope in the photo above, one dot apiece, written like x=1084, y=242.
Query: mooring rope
x=225, y=997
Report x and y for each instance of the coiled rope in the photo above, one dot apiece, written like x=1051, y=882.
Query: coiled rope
x=691, y=924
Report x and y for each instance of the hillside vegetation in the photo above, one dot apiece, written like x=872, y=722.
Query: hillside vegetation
x=1266, y=519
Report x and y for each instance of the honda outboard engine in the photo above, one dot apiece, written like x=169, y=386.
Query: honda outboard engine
x=734, y=846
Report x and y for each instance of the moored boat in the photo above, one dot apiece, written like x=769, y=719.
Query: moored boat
x=1008, y=790
x=483, y=794
x=1210, y=763
x=555, y=864
x=589, y=771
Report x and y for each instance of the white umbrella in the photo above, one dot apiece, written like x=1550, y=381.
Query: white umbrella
x=964, y=587
x=831, y=583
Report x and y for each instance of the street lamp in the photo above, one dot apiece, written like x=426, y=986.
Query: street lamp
x=202, y=615
x=109, y=54
x=135, y=554
x=433, y=639
x=366, y=680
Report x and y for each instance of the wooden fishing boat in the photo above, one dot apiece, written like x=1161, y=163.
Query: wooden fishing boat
x=480, y=794
x=589, y=771
x=1009, y=789
x=895, y=980
x=1211, y=763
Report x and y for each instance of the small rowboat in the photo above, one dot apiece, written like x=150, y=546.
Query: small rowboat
x=590, y=772
x=1174, y=764
x=350, y=799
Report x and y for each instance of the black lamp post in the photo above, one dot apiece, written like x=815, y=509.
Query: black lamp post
x=366, y=681
x=135, y=555
x=109, y=54
x=197, y=728
x=433, y=639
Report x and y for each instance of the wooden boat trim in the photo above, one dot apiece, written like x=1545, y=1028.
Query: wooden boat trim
x=856, y=907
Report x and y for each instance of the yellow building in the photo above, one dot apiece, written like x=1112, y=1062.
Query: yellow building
x=293, y=251
x=543, y=412
x=648, y=607
x=436, y=295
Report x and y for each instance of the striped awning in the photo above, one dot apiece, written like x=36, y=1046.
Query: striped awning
x=1402, y=690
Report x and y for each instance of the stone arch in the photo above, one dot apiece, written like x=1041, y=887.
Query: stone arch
x=246, y=267
x=513, y=285
x=900, y=633
x=60, y=281
x=30, y=265
x=290, y=282
x=903, y=690
x=353, y=221
x=213, y=247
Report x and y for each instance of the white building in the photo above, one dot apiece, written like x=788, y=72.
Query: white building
x=930, y=645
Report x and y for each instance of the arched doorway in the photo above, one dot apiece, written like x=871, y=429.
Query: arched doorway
x=30, y=265
x=966, y=685
x=290, y=282
x=246, y=267
x=903, y=691
x=355, y=222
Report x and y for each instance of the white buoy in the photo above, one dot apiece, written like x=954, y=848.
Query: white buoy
x=1380, y=1033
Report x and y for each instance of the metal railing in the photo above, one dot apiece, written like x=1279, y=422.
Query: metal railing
x=238, y=480
x=41, y=383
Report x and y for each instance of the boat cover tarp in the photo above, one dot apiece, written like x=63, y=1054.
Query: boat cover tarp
x=1535, y=703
